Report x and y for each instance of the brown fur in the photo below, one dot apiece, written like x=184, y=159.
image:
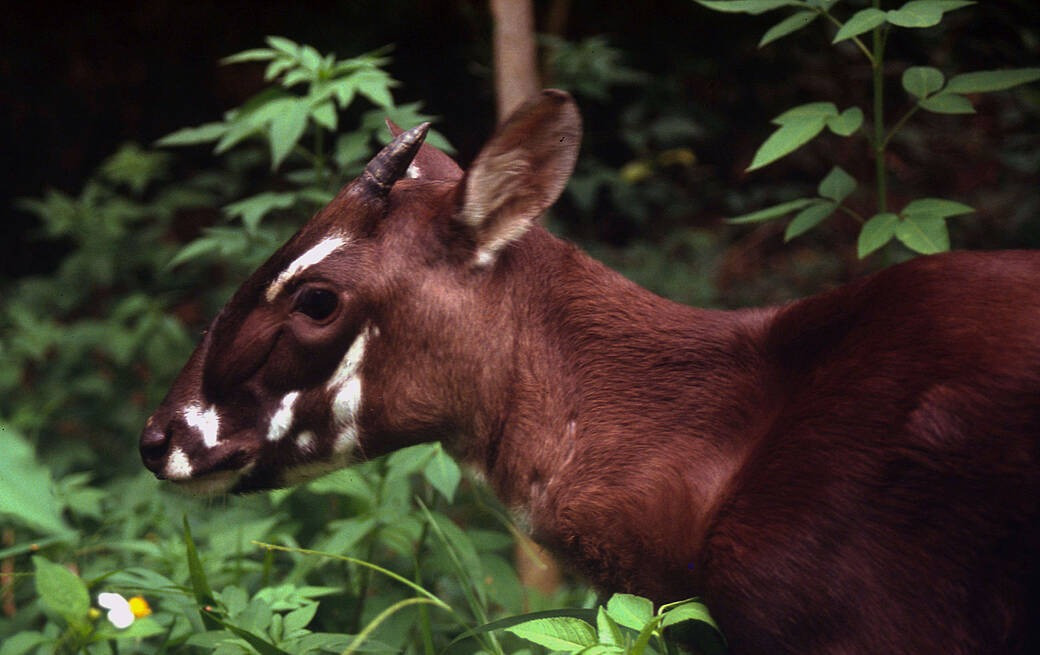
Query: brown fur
x=857, y=472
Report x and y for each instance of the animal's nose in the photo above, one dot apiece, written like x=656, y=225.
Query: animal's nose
x=155, y=446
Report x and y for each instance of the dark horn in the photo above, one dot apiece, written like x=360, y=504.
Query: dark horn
x=392, y=161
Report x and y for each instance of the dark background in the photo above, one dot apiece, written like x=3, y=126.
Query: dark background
x=78, y=79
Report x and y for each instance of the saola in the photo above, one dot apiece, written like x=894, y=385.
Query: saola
x=856, y=472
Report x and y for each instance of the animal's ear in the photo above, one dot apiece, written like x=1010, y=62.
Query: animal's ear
x=429, y=163
x=521, y=171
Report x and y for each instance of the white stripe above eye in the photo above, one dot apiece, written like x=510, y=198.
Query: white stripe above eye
x=317, y=253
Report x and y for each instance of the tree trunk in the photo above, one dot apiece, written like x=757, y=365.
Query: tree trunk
x=516, y=61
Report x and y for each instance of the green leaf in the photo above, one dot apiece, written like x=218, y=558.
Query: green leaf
x=285, y=45
x=792, y=23
x=822, y=110
x=609, y=632
x=561, y=633
x=375, y=85
x=62, y=591
x=922, y=81
x=847, y=122
x=193, y=135
x=935, y=207
x=277, y=67
x=630, y=611
x=443, y=473
x=286, y=130
x=876, y=232
x=790, y=136
x=923, y=13
x=404, y=462
x=257, y=54
x=310, y=58
x=809, y=218
x=325, y=115
x=748, y=6
x=995, y=80
x=689, y=611
x=26, y=488
x=199, y=583
x=254, y=208
x=926, y=234
x=862, y=21
x=837, y=185
x=198, y=248
x=947, y=103
x=772, y=212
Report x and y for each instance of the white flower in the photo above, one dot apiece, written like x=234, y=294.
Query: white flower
x=122, y=612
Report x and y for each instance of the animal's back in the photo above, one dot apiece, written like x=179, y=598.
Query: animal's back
x=894, y=504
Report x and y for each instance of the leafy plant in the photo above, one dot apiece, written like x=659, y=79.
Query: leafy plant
x=921, y=224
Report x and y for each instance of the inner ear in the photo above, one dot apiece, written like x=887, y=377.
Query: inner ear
x=520, y=172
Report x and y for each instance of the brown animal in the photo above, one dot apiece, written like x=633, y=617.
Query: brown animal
x=856, y=472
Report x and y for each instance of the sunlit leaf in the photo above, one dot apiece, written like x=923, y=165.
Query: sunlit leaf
x=923, y=13
x=822, y=110
x=791, y=24
x=558, y=633
x=837, y=185
x=876, y=232
x=286, y=130
x=257, y=54
x=947, y=103
x=926, y=234
x=772, y=212
x=936, y=207
x=630, y=611
x=995, y=80
x=790, y=136
x=847, y=122
x=26, y=487
x=922, y=81
x=194, y=135
x=809, y=218
x=862, y=21
x=62, y=591
x=749, y=6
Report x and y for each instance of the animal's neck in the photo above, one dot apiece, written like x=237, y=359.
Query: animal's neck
x=611, y=384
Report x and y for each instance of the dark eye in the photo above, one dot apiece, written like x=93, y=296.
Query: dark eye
x=317, y=304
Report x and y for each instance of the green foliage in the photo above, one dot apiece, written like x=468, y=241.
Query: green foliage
x=921, y=225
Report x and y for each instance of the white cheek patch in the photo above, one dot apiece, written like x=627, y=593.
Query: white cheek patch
x=177, y=466
x=305, y=441
x=345, y=385
x=205, y=421
x=283, y=417
x=317, y=253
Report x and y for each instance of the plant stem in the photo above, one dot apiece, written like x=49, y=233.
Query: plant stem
x=877, y=65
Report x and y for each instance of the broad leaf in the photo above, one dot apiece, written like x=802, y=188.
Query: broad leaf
x=62, y=591
x=325, y=115
x=689, y=611
x=935, y=207
x=189, y=136
x=875, y=233
x=748, y=6
x=922, y=81
x=790, y=136
x=947, y=103
x=996, y=80
x=800, y=113
x=792, y=23
x=286, y=130
x=809, y=218
x=925, y=234
x=26, y=488
x=630, y=611
x=254, y=208
x=443, y=474
x=772, y=212
x=847, y=122
x=609, y=632
x=923, y=13
x=837, y=185
x=862, y=21
x=561, y=633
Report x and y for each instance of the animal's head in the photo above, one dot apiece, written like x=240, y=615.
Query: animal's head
x=363, y=333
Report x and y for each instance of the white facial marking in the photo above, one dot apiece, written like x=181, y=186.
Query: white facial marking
x=305, y=440
x=345, y=440
x=485, y=257
x=206, y=421
x=283, y=417
x=345, y=383
x=177, y=466
x=413, y=171
x=325, y=247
